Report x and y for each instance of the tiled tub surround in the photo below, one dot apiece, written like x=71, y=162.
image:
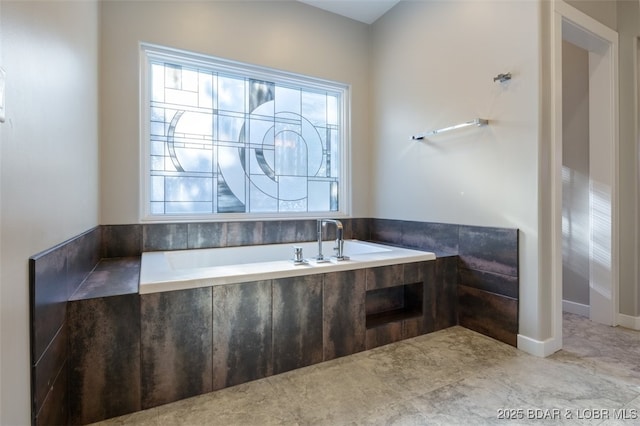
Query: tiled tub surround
x=57, y=274
x=202, y=339
x=487, y=269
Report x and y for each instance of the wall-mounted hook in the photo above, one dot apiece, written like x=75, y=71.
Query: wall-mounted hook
x=502, y=77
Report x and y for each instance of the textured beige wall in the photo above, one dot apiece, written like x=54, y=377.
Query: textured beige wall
x=49, y=161
x=604, y=11
x=289, y=36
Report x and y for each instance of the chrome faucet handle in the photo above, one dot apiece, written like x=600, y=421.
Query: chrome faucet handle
x=339, y=249
x=298, y=259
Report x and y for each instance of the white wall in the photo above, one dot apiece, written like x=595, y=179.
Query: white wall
x=443, y=74
x=575, y=174
x=291, y=36
x=49, y=169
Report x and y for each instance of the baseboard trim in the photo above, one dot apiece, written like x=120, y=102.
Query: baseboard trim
x=629, y=322
x=541, y=348
x=576, y=308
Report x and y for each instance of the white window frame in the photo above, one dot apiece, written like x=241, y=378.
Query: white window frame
x=151, y=52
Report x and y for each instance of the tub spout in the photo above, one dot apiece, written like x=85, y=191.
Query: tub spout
x=339, y=248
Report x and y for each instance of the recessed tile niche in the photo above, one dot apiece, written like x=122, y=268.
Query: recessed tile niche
x=393, y=304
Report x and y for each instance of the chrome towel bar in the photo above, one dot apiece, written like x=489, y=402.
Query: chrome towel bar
x=475, y=122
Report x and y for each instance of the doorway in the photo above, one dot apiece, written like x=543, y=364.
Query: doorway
x=585, y=224
x=575, y=180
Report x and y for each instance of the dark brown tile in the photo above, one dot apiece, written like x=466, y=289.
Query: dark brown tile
x=440, y=238
x=48, y=293
x=104, y=358
x=121, y=240
x=176, y=348
x=344, y=317
x=430, y=297
x=384, y=334
x=445, y=280
x=413, y=272
x=48, y=367
x=489, y=249
x=297, y=322
x=386, y=230
x=414, y=296
x=242, y=333
x=384, y=300
x=306, y=230
x=54, y=409
x=487, y=313
x=279, y=231
x=164, y=236
x=503, y=285
x=244, y=233
x=358, y=229
x=84, y=252
x=206, y=235
x=412, y=327
x=385, y=276
x=111, y=277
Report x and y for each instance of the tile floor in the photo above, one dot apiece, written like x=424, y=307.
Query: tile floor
x=451, y=377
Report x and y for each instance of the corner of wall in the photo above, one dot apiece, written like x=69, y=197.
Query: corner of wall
x=540, y=348
x=629, y=321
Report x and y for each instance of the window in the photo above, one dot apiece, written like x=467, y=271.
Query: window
x=225, y=138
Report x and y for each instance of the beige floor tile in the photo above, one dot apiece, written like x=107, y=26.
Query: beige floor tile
x=454, y=376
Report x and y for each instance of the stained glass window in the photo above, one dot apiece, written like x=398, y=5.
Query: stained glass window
x=228, y=138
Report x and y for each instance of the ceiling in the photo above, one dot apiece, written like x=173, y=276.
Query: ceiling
x=367, y=11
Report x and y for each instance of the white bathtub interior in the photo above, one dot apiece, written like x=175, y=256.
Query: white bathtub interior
x=183, y=269
x=184, y=259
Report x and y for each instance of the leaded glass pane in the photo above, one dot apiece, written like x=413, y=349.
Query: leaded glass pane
x=261, y=201
x=157, y=83
x=319, y=196
x=290, y=154
x=231, y=96
x=157, y=128
x=224, y=143
x=190, y=80
x=205, y=95
x=314, y=108
x=187, y=189
x=157, y=207
x=158, y=163
x=188, y=207
x=181, y=97
x=332, y=110
x=230, y=127
x=288, y=100
x=157, y=188
x=172, y=76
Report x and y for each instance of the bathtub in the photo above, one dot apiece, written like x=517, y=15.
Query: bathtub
x=183, y=269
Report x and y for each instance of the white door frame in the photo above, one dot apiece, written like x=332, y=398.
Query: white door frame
x=602, y=44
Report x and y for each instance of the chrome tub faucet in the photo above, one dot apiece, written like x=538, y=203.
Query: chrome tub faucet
x=339, y=248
